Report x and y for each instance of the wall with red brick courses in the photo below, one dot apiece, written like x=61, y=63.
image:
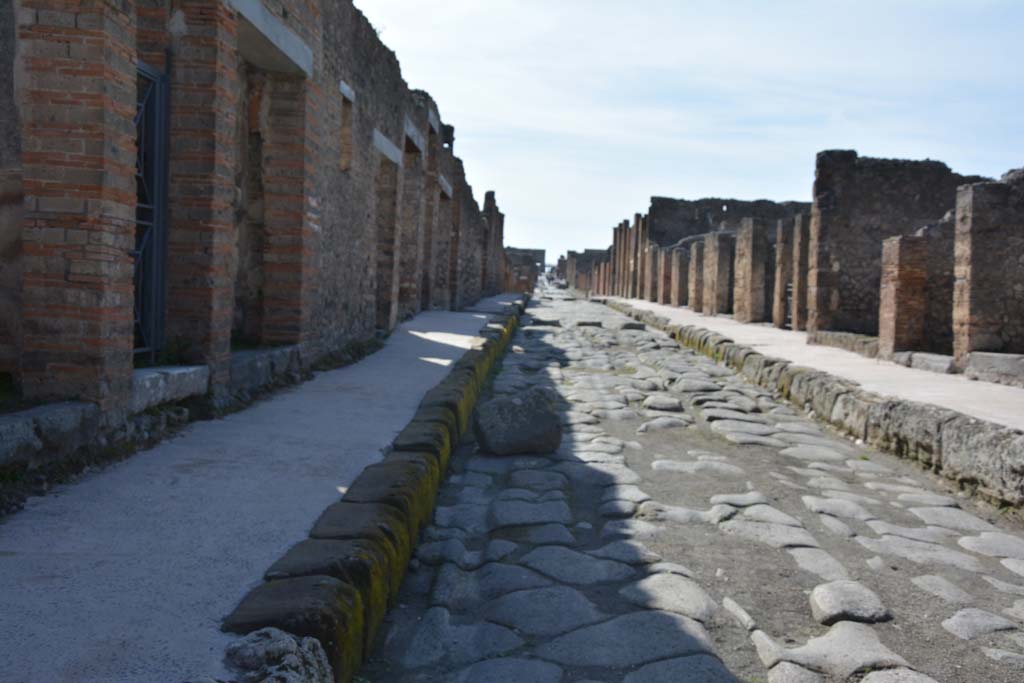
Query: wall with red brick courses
x=77, y=78
x=903, y=297
x=988, y=312
x=10, y=198
x=671, y=220
x=275, y=190
x=750, y=285
x=718, y=273
x=858, y=202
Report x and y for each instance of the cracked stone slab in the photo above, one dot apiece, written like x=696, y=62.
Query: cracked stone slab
x=971, y=622
x=928, y=534
x=698, y=466
x=775, y=535
x=547, y=611
x=570, y=566
x=951, y=518
x=846, y=601
x=920, y=552
x=693, y=669
x=819, y=562
x=813, y=453
x=628, y=641
x=994, y=544
x=943, y=588
x=673, y=593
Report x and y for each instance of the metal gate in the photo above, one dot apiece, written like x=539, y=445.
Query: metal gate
x=151, y=124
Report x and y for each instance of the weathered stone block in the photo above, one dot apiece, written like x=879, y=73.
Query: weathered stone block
x=320, y=607
x=987, y=456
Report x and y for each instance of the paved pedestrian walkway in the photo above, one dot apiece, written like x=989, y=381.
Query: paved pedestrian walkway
x=125, y=575
x=691, y=528
x=993, y=402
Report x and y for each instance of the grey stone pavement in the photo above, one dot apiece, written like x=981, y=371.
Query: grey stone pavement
x=693, y=528
x=125, y=575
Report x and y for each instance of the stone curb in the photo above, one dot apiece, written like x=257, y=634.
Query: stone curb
x=337, y=585
x=982, y=457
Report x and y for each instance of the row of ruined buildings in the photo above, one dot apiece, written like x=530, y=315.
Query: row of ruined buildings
x=903, y=260
x=186, y=182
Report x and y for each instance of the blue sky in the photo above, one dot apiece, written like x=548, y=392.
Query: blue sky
x=578, y=111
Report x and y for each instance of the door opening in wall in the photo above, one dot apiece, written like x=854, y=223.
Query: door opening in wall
x=150, y=253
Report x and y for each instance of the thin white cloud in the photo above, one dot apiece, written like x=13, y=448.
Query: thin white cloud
x=578, y=111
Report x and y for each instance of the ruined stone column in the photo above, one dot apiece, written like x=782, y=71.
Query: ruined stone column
x=695, y=279
x=783, y=271
x=751, y=257
x=801, y=238
x=988, y=294
x=680, y=271
x=718, y=272
x=665, y=282
x=901, y=314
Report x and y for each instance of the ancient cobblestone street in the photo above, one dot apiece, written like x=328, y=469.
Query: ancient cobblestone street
x=693, y=528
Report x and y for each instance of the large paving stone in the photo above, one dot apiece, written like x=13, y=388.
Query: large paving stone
x=775, y=535
x=900, y=675
x=671, y=592
x=920, y=552
x=846, y=601
x=537, y=480
x=693, y=669
x=570, y=566
x=814, y=453
x=942, y=588
x=836, y=508
x=819, y=562
x=437, y=639
x=970, y=622
x=628, y=641
x=952, y=518
x=598, y=474
x=995, y=544
x=509, y=670
x=628, y=552
x=543, y=611
x=518, y=512
x=847, y=648
x=459, y=590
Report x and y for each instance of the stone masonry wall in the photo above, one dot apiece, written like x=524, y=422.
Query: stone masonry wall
x=313, y=197
x=858, y=202
x=801, y=244
x=988, y=313
x=750, y=293
x=671, y=220
x=781, y=292
x=718, y=273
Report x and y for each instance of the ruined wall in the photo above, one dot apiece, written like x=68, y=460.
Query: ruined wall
x=671, y=220
x=940, y=240
x=679, y=287
x=858, y=202
x=695, y=278
x=801, y=245
x=718, y=273
x=782, y=285
x=10, y=197
x=988, y=313
x=751, y=286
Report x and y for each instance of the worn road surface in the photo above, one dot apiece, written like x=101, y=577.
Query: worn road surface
x=694, y=529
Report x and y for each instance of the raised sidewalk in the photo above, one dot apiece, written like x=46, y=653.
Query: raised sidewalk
x=996, y=403
x=127, y=574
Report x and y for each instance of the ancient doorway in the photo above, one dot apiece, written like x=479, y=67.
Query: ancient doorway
x=150, y=252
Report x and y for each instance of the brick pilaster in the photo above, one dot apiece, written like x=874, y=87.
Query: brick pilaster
x=203, y=158
x=695, y=279
x=783, y=271
x=78, y=93
x=801, y=240
x=751, y=260
x=903, y=295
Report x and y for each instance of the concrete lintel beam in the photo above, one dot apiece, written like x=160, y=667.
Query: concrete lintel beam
x=386, y=147
x=264, y=40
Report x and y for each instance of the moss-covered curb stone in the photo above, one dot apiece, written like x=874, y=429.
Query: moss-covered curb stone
x=337, y=585
x=985, y=458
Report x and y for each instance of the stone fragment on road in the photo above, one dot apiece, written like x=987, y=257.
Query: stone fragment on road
x=525, y=423
x=846, y=601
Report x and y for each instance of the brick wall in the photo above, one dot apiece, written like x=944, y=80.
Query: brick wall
x=988, y=313
x=858, y=202
x=903, y=296
x=680, y=277
x=77, y=79
x=10, y=198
